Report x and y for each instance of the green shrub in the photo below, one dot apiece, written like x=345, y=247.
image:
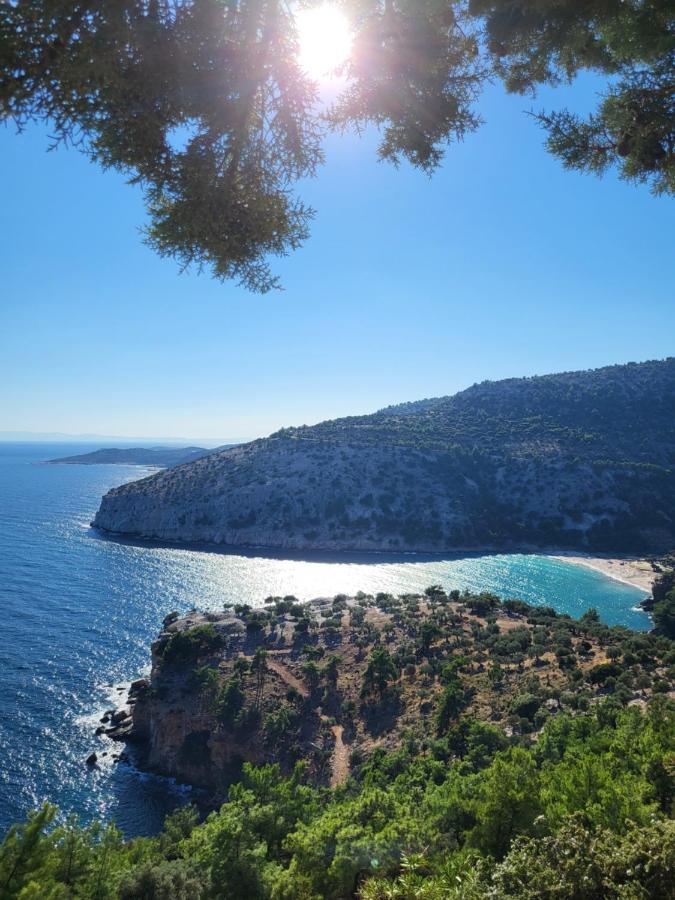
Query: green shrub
x=189, y=646
x=525, y=706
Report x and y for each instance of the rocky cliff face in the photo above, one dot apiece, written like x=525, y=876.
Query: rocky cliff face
x=184, y=724
x=285, y=494
x=583, y=460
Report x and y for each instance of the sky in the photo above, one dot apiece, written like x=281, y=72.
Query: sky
x=503, y=264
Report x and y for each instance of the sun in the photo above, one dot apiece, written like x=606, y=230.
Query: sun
x=324, y=38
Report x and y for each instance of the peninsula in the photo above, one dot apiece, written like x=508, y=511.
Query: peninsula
x=579, y=461
x=335, y=681
x=161, y=457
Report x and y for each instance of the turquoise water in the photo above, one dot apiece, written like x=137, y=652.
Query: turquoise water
x=80, y=612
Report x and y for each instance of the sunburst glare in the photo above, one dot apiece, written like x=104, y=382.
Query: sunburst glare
x=325, y=40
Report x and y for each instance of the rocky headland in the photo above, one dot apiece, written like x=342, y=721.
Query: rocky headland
x=161, y=457
x=582, y=461
x=332, y=681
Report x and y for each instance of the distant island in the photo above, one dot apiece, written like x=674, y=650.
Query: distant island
x=579, y=460
x=162, y=457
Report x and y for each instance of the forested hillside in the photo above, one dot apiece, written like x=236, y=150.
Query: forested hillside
x=619, y=413
x=582, y=460
x=436, y=747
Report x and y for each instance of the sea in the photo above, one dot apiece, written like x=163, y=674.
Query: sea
x=80, y=611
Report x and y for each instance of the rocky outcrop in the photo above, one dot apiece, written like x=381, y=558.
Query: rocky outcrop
x=329, y=682
x=582, y=460
x=183, y=723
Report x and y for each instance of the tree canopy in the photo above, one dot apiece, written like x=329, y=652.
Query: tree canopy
x=203, y=103
x=586, y=812
x=544, y=786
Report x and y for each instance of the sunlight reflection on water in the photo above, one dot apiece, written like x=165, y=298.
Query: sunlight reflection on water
x=81, y=612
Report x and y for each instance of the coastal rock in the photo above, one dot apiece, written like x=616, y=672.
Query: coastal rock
x=141, y=684
x=120, y=732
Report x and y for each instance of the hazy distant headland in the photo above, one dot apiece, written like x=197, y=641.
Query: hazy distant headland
x=162, y=457
x=580, y=460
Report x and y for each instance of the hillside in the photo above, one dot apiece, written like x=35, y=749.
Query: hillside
x=583, y=460
x=437, y=747
x=162, y=457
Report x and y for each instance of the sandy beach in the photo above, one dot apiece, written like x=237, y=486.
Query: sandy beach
x=634, y=571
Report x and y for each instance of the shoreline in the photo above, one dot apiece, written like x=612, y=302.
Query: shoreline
x=633, y=571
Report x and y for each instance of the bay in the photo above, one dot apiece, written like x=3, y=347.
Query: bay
x=80, y=611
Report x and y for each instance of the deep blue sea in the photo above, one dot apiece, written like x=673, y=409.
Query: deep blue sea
x=79, y=613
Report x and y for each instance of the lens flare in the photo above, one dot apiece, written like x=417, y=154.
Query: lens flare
x=325, y=40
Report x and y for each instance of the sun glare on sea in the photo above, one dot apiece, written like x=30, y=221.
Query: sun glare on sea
x=324, y=38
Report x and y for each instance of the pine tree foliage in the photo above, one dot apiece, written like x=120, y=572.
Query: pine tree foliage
x=581, y=813
x=203, y=102
x=631, y=43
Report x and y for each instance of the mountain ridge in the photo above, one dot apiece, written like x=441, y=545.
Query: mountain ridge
x=583, y=460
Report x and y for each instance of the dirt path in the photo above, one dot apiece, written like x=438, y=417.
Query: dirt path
x=340, y=762
x=288, y=677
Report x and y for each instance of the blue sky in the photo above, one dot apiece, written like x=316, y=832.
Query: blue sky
x=503, y=264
